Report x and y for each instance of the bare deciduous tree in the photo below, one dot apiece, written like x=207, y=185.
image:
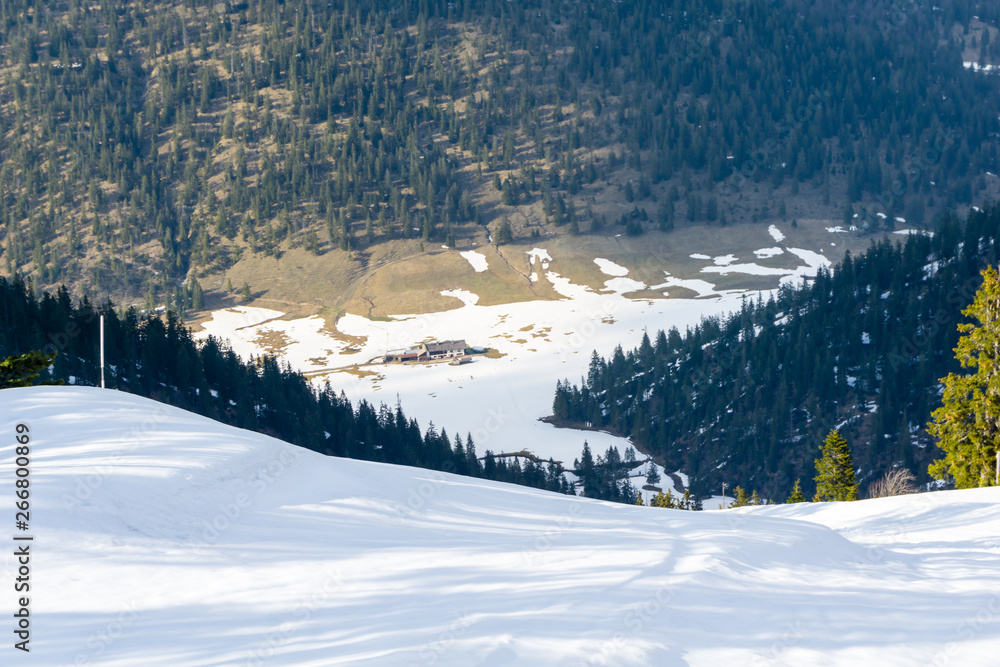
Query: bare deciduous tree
x=896, y=482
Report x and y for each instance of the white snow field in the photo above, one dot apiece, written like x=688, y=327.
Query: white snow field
x=499, y=400
x=164, y=538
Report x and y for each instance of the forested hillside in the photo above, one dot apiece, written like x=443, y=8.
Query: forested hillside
x=748, y=399
x=157, y=358
x=146, y=144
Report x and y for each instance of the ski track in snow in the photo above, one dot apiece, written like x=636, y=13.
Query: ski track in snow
x=165, y=539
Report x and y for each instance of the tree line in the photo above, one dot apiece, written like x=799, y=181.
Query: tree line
x=158, y=358
x=746, y=398
x=145, y=142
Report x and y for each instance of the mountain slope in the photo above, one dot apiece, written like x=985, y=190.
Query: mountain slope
x=170, y=539
x=748, y=398
x=146, y=145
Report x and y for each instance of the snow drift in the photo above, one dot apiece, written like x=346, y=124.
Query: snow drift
x=164, y=538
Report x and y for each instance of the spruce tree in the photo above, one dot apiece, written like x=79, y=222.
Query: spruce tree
x=796, y=496
x=23, y=370
x=835, y=470
x=653, y=477
x=967, y=425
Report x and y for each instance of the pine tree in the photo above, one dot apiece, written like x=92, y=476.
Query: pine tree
x=504, y=235
x=835, y=470
x=665, y=500
x=742, y=499
x=653, y=477
x=967, y=425
x=23, y=370
x=796, y=496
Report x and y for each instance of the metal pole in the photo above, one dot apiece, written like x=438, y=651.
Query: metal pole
x=102, y=351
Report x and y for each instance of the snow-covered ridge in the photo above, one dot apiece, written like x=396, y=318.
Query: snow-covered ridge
x=170, y=539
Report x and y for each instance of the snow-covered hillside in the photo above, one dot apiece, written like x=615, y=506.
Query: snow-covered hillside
x=162, y=538
x=499, y=400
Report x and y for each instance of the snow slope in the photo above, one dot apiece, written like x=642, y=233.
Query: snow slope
x=163, y=538
x=497, y=400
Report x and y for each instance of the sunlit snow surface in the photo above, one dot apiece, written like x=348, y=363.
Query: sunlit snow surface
x=610, y=268
x=165, y=539
x=476, y=259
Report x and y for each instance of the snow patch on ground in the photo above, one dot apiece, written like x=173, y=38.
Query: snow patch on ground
x=775, y=233
x=610, y=268
x=698, y=255
x=465, y=296
x=813, y=259
x=764, y=253
x=540, y=254
x=476, y=259
x=724, y=260
x=749, y=269
x=702, y=288
x=623, y=285
x=976, y=67
x=238, y=317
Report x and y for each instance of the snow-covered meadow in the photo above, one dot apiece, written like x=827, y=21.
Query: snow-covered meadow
x=499, y=400
x=164, y=538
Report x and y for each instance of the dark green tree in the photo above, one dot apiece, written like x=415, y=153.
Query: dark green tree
x=653, y=477
x=742, y=499
x=503, y=233
x=796, y=496
x=25, y=369
x=835, y=470
x=967, y=425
